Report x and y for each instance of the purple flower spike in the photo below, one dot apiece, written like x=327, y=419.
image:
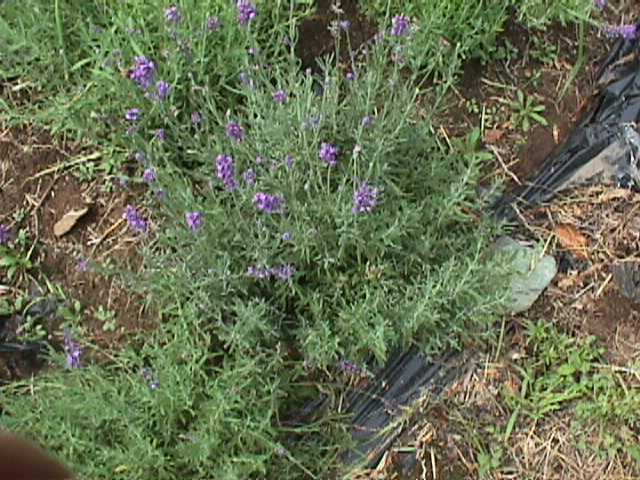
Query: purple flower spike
x=226, y=171
x=196, y=118
x=162, y=91
x=345, y=25
x=249, y=177
x=329, y=154
x=172, y=14
x=150, y=378
x=213, y=24
x=351, y=76
x=258, y=271
x=135, y=221
x=601, y=4
x=367, y=121
x=161, y=134
x=284, y=272
x=72, y=349
x=143, y=72
x=627, y=32
x=365, y=199
x=400, y=25
x=133, y=114
x=280, y=97
x=83, y=265
x=286, y=237
x=350, y=368
x=5, y=234
x=194, y=220
x=246, y=11
x=268, y=203
x=235, y=131
x=149, y=176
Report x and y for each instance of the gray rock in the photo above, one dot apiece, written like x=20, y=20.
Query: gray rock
x=532, y=273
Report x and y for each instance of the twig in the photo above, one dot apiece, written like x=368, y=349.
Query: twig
x=64, y=165
x=504, y=165
x=106, y=234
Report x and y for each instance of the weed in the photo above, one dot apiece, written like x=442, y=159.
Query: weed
x=544, y=52
x=526, y=111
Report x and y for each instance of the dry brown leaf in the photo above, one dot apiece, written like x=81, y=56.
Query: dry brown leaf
x=68, y=221
x=571, y=239
x=492, y=136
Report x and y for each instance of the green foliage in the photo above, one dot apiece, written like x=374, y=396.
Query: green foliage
x=172, y=410
x=75, y=56
x=449, y=32
x=526, y=111
x=563, y=371
x=540, y=13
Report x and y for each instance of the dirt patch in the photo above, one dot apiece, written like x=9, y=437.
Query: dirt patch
x=318, y=34
x=36, y=191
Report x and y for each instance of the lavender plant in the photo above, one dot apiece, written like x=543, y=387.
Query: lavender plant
x=319, y=219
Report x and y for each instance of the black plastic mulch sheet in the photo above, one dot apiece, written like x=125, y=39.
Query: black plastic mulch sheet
x=603, y=147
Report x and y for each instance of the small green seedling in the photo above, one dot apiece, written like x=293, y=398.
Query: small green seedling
x=526, y=111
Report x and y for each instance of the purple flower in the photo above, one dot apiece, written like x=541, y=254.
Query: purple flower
x=162, y=91
x=196, y=118
x=83, y=265
x=135, y=221
x=329, y=154
x=5, y=234
x=172, y=14
x=235, y=131
x=601, y=4
x=72, y=349
x=627, y=32
x=133, y=114
x=143, y=72
x=161, y=134
x=161, y=195
x=289, y=161
x=258, y=271
x=246, y=80
x=268, y=203
x=400, y=25
x=351, y=76
x=249, y=177
x=350, y=368
x=226, y=171
x=286, y=237
x=150, y=378
x=139, y=156
x=246, y=11
x=149, y=176
x=280, y=97
x=345, y=25
x=284, y=272
x=367, y=121
x=365, y=199
x=194, y=220
x=213, y=24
